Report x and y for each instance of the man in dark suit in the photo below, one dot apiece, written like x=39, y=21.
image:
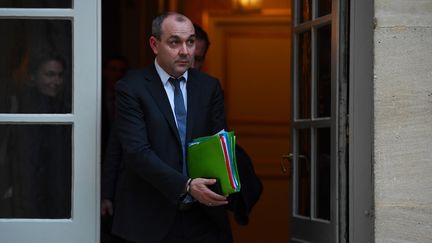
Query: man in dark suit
x=111, y=165
x=155, y=200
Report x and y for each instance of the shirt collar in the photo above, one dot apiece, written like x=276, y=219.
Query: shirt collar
x=164, y=76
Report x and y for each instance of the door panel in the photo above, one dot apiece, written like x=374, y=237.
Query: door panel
x=36, y=171
x=314, y=148
x=49, y=116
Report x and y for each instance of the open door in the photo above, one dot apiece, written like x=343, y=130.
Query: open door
x=315, y=118
x=49, y=121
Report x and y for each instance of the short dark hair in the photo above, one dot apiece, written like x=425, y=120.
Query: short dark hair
x=158, y=20
x=202, y=35
x=42, y=56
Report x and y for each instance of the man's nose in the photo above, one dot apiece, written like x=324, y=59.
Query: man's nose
x=184, y=50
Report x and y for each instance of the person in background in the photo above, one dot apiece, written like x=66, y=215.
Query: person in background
x=45, y=91
x=202, y=45
x=39, y=155
x=113, y=69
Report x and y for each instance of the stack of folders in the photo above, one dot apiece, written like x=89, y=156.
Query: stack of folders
x=214, y=157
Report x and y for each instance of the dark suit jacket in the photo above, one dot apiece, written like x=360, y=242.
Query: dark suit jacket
x=112, y=165
x=151, y=183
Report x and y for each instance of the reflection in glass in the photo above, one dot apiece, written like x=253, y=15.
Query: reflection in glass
x=324, y=71
x=35, y=71
x=323, y=174
x=304, y=173
x=324, y=7
x=305, y=10
x=35, y=3
x=35, y=171
x=304, y=76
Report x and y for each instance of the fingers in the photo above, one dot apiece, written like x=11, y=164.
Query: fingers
x=215, y=201
x=207, y=181
x=200, y=191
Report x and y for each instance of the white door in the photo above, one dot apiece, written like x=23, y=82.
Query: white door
x=49, y=121
x=315, y=121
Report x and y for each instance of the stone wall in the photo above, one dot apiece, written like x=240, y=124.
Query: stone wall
x=403, y=120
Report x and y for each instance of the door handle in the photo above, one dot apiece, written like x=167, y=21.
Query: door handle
x=285, y=157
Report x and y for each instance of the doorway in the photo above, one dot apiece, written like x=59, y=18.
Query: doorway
x=258, y=103
x=251, y=55
x=83, y=224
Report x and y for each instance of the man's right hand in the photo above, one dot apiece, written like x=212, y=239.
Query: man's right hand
x=106, y=207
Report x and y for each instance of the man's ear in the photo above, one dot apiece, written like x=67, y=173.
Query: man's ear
x=154, y=44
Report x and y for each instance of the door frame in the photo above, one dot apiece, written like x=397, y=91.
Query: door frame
x=360, y=164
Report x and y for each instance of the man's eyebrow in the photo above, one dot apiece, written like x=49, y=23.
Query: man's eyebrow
x=174, y=37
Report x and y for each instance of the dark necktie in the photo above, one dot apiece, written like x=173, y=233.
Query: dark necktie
x=181, y=115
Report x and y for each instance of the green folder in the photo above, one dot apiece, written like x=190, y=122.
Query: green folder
x=214, y=157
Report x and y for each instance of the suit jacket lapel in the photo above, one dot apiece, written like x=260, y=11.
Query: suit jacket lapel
x=158, y=93
x=192, y=103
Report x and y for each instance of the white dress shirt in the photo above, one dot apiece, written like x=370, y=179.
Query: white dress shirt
x=169, y=88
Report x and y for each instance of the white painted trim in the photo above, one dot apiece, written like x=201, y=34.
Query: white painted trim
x=84, y=226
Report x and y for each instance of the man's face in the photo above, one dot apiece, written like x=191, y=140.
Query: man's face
x=49, y=78
x=175, y=49
x=115, y=70
x=199, y=55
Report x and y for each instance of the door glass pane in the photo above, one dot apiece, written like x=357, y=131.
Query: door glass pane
x=35, y=68
x=306, y=10
x=304, y=76
x=324, y=71
x=323, y=173
x=35, y=171
x=324, y=7
x=304, y=172
x=35, y=3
